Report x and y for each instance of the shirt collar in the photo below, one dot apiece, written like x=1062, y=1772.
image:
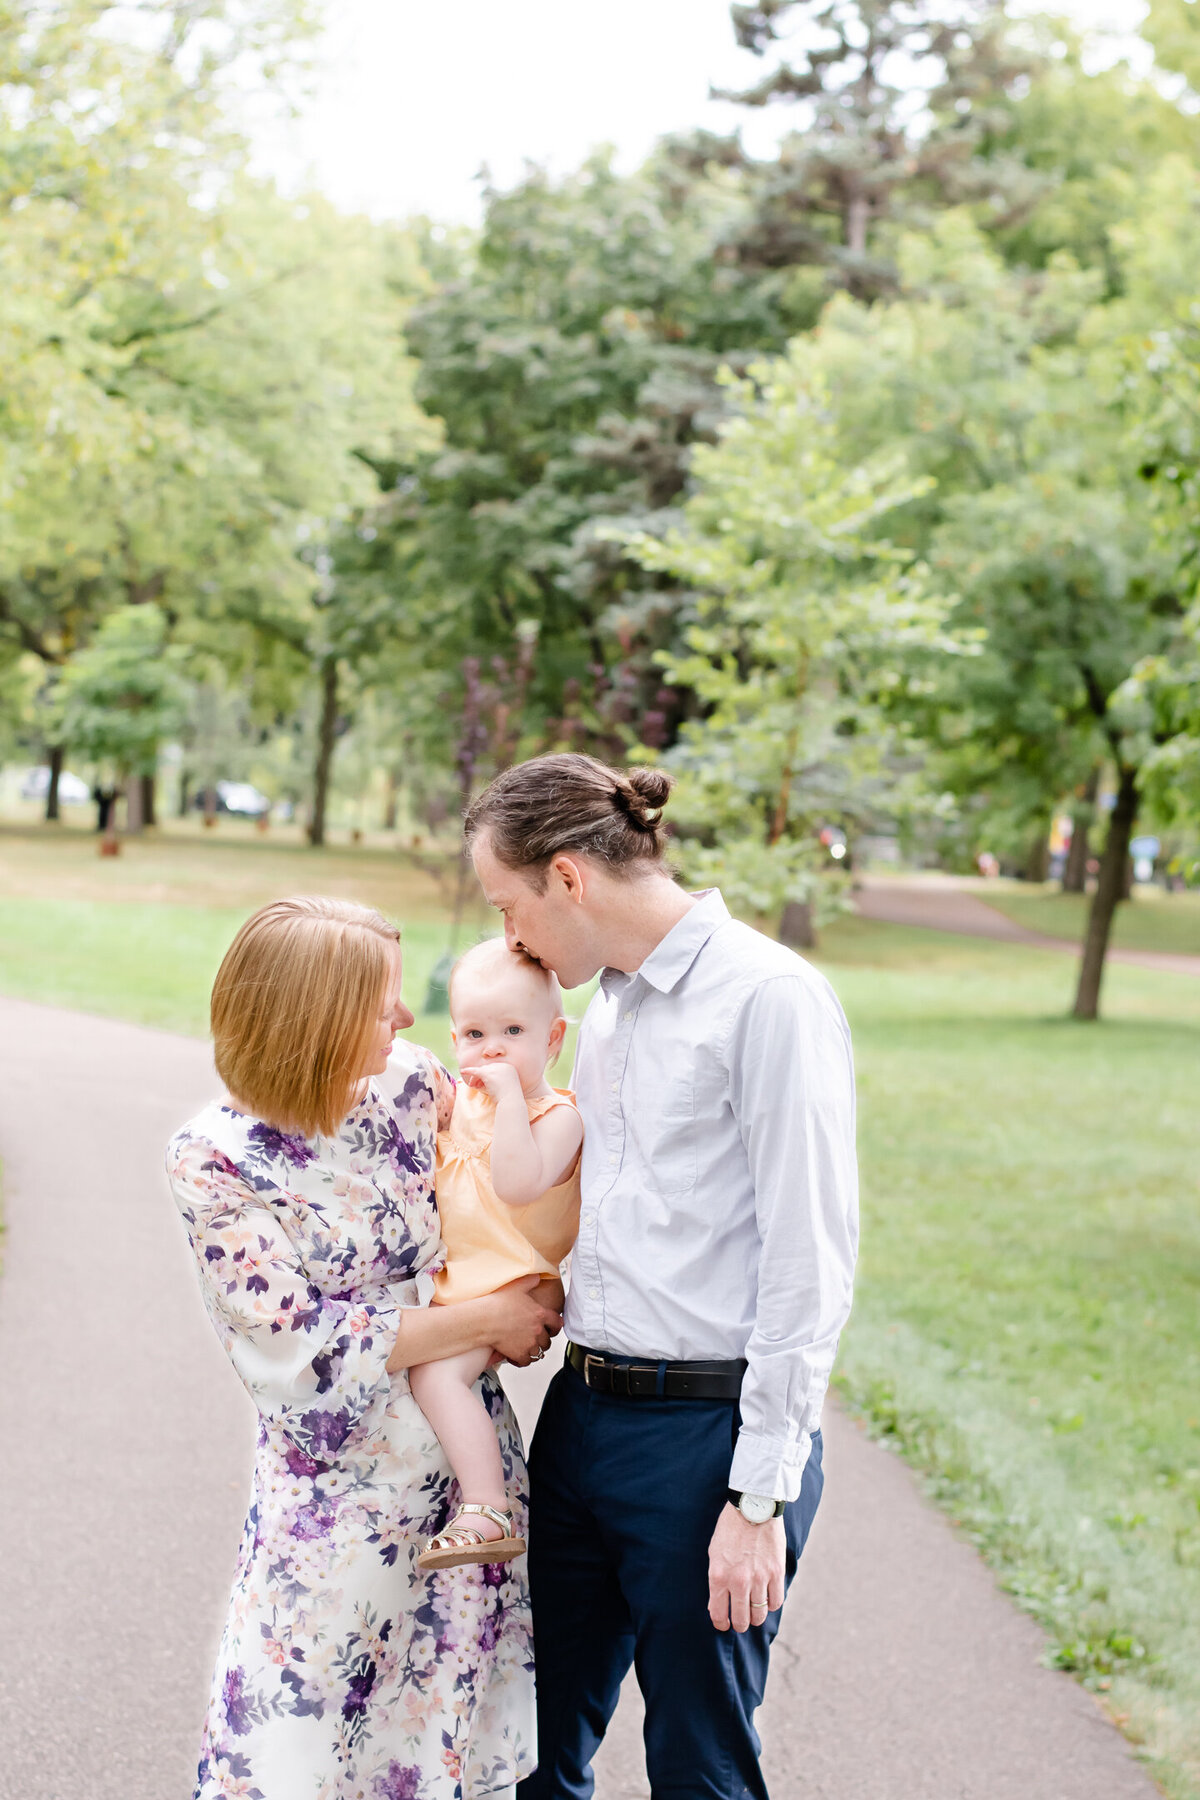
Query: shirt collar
x=671, y=959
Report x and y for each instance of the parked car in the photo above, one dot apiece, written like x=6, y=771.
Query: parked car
x=35, y=785
x=240, y=798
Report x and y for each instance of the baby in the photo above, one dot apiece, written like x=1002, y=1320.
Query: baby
x=508, y=1195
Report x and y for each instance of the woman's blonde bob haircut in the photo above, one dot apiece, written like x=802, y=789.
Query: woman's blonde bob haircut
x=295, y=1005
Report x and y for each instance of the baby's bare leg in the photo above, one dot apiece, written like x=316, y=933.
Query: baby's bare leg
x=442, y=1390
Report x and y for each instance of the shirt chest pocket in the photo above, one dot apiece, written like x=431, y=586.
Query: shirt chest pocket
x=662, y=1122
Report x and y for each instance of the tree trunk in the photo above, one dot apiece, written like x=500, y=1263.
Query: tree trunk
x=149, y=800
x=857, y=214
x=796, y=928
x=184, y=793
x=133, y=805
x=392, y=803
x=1074, y=879
x=54, y=755
x=326, y=739
x=1037, y=862
x=1107, y=896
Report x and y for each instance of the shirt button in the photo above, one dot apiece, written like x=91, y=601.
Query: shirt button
x=627, y=1016
x=616, y=1086
x=593, y=1293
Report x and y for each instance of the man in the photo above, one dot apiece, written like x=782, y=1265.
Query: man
x=676, y=1467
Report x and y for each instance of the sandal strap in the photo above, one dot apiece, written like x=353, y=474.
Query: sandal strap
x=456, y=1537
x=502, y=1519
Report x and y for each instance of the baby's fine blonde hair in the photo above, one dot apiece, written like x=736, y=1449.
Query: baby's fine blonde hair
x=493, y=955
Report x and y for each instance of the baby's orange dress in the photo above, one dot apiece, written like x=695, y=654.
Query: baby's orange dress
x=487, y=1242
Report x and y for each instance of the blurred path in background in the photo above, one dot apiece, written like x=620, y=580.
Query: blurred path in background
x=953, y=903
x=902, y=1673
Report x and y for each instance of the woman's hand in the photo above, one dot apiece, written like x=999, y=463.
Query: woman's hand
x=523, y=1324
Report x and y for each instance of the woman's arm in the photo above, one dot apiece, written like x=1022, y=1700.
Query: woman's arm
x=513, y=1321
x=316, y=1367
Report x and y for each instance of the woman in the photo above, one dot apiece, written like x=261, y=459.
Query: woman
x=345, y=1672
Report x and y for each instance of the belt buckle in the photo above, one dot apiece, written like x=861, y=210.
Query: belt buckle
x=588, y=1360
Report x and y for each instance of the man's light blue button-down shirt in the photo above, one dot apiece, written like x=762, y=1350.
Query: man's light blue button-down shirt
x=720, y=1198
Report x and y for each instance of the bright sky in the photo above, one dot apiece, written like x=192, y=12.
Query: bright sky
x=412, y=99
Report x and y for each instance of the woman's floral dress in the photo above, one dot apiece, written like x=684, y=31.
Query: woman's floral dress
x=345, y=1672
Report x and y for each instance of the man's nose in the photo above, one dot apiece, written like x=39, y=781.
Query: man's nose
x=511, y=939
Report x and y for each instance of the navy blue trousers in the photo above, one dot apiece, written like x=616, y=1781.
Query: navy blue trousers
x=625, y=1498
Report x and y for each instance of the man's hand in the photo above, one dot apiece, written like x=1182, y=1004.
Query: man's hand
x=745, y=1569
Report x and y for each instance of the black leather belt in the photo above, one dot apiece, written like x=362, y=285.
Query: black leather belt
x=633, y=1380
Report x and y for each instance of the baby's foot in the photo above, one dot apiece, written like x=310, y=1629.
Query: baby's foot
x=473, y=1536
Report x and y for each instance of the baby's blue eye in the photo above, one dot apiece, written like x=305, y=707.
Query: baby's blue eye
x=513, y=1030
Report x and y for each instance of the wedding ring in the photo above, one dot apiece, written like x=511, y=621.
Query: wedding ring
x=536, y=1355
x=760, y=1603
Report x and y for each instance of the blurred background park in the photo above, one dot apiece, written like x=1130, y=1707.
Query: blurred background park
x=833, y=439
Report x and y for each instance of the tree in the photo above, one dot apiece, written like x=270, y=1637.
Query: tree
x=809, y=625
x=896, y=100
x=1011, y=392
x=122, y=696
x=571, y=360
x=185, y=389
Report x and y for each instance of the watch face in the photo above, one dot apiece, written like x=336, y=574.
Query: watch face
x=756, y=1508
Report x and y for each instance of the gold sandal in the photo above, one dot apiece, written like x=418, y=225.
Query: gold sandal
x=459, y=1544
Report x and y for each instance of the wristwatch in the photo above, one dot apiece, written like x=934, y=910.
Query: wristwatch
x=756, y=1509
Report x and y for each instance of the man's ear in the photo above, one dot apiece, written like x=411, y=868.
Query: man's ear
x=572, y=874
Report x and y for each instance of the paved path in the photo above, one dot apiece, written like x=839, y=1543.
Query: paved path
x=901, y=1673
x=951, y=903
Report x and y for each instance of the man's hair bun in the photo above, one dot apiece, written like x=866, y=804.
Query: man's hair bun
x=653, y=785
x=641, y=795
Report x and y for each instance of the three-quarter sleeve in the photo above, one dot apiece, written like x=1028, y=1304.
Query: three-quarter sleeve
x=792, y=1090
x=315, y=1366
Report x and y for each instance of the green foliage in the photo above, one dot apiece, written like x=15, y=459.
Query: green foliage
x=124, y=694
x=570, y=357
x=191, y=365
x=809, y=628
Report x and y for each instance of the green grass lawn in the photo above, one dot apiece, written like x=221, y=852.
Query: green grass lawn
x=1027, y=1324
x=1151, y=920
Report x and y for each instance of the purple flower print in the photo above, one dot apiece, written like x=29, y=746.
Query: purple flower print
x=323, y=1433
x=272, y=1142
x=399, y=1152
x=358, y=1691
x=300, y=1464
x=399, y=1783
x=310, y=1523
x=239, y=1708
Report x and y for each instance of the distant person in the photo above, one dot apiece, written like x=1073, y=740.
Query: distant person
x=105, y=797
x=508, y=1199
x=676, y=1467
x=307, y=1193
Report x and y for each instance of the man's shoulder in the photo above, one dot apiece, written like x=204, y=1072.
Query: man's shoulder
x=745, y=962
x=751, y=956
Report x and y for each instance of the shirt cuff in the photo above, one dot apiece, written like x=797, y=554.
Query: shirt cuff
x=768, y=1465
